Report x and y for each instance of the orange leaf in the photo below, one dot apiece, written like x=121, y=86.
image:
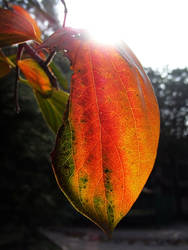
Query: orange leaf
x=36, y=76
x=106, y=147
x=17, y=26
x=32, y=21
x=4, y=67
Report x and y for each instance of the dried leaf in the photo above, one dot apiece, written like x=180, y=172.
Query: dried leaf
x=17, y=26
x=106, y=147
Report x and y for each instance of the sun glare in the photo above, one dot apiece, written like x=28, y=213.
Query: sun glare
x=100, y=18
x=155, y=30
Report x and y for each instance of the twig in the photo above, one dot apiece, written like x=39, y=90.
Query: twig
x=65, y=12
x=50, y=58
x=16, y=86
x=7, y=5
x=43, y=64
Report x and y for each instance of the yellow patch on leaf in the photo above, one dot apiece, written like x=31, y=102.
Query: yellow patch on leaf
x=36, y=76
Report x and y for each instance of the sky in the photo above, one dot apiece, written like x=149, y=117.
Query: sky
x=156, y=30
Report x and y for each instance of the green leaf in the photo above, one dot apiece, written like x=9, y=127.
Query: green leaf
x=53, y=108
x=61, y=79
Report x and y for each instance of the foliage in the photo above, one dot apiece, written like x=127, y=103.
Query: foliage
x=108, y=106
x=38, y=74
x=111, y=102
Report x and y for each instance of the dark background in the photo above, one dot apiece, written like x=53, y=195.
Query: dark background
x=30, y=197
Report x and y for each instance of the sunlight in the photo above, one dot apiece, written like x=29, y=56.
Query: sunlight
x=111, y=21
x=155, y=30
x=100, y=18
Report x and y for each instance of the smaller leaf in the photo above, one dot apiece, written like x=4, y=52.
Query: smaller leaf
x=17, y=26
x=61, y=79
x=63, y=39
x=55, y=40
x=4, y=67
x=53, y=108
x=36, y=76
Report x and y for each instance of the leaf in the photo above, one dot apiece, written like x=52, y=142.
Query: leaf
x=61, y=79
x=36, y=76
x=59, y=40
x=32, y=21
x=17, y=26
x=4, y=67
x=52, y=102
x=53, y=108
x=106, y=148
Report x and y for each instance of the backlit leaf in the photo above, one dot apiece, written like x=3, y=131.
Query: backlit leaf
x=32, y=21
x=36, y=76
x=60, y=39
x=61, y=79
x=106, y=147
x=17, y=26
x=53, y=108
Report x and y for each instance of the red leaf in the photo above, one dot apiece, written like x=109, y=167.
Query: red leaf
x=106, y=147
x=17, y=26
x=60, y=39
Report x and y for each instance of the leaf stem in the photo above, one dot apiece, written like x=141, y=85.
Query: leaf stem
x=50, y=57
x=65, y=12
x=16, y=86
x=5, y=4
x=42, y=63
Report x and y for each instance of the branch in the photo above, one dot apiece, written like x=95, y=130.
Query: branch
x=43, y=64
x=65, y=12
x=16, y=89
